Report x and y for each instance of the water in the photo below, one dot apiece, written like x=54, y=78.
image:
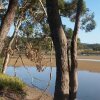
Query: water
x=89, y=88
x=92, y=60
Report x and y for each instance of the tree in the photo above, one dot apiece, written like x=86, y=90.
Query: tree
x=9, y=48
x=60, y=45
x=19, y=17
x=7, y=21
x=74, y=11
x=73, y=70
x=55, y=9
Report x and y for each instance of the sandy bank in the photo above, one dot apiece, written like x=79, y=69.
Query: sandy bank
x=31, y=94
x=82, y=65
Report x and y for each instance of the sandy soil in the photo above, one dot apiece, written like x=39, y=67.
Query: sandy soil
x=36, y=94
x=89, y=57
x=82, y=65
x=31, y=94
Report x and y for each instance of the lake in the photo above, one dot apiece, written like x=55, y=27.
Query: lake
x=89, y=82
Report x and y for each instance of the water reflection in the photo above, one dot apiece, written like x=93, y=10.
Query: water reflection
x=89, y=88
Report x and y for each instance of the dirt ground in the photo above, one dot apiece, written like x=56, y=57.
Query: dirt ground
x=31, y=94
x=82, y=64
x=89, y=65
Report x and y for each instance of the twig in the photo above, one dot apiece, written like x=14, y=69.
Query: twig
x=28, y=70
x=48, y=85
x=43, y=7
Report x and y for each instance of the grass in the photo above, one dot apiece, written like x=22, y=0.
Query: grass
x=9, y=83
x=1, y=62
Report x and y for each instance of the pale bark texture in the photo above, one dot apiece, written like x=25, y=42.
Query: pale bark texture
x=1, y=6
x=7, y=21
x=9, y=48
x=60, y=45
x=74, y=65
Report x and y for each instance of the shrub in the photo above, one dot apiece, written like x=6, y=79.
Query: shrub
x=10, y=83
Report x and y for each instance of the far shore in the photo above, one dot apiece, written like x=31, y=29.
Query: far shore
x=82, y=64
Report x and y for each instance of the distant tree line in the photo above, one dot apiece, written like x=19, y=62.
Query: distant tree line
x=94, y=47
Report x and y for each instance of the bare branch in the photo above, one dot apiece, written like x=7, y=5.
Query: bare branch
x=43, y=7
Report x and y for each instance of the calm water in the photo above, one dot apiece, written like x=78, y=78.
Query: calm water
x=92, y=60
x=89, y=82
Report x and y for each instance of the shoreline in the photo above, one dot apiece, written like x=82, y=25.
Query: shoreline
x=34, y=93
x=93, y=66
x=31, y=93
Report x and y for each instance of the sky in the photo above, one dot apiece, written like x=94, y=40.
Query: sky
x=90, y=37
x=93, y=36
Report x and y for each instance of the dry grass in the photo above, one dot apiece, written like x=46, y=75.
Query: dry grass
x=12, y=88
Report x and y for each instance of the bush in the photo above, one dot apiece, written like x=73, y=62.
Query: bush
x=1, y=62
x=10, y=83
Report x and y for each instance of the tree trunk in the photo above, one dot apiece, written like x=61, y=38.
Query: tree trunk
x=60, y=45
x=5, y=64
x=7, y=56
x=6, y=60
x=74, y=65
x=1, y=6
x=7, y=21
x=68, y=55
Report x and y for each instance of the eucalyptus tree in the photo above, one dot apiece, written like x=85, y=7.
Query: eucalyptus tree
x=74, y=10
x=73, y=71
x=77, y=12
x=27, y=14
x=59, y=40
x=9, y=50
x=35, y=15
x=7, y=20
x=88, y=24
x=17, y=23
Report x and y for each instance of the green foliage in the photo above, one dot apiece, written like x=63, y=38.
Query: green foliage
x=4, y=4
x=79, y=43
x=61, y=4
x=69, y=8
x=88, y=23
x=42, y=43
x=27, y=29
x=87, y=18
x=1, y=61
x=34, y=23
x=11, y=83
x=94, y=47
x=68, y=32
x=45, y=28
